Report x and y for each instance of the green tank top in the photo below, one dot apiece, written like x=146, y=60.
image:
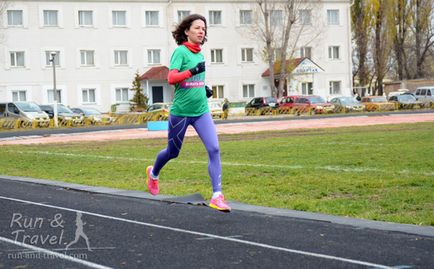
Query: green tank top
x=190, y=97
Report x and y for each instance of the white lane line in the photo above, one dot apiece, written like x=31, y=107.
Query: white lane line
x=56, y=254
x=306, y=253
x=294, y=166
x=209, y=238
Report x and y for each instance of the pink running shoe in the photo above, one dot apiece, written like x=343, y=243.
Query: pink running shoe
x=151, y=182
x=219, y=203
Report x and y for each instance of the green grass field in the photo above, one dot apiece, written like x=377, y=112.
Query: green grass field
x=375, y=172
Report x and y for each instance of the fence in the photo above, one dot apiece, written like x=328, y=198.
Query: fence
x=141, y=118
x=136, y=118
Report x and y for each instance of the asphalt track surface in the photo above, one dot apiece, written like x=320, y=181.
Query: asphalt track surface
x=38, y=222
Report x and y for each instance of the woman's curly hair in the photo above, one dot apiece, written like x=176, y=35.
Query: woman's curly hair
x=179, y=33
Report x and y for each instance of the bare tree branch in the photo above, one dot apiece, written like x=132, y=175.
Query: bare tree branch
x=278, y=26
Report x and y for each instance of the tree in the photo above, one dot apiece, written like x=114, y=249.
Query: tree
x=360, y=19
x=140, y=100
x=402, y=15
x=267, y=35
x=424, y=33
x=404, y=27
x=382, y=39
x=276, y=27
x=287, y=26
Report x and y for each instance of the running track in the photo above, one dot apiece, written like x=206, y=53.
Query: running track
x=128, y=232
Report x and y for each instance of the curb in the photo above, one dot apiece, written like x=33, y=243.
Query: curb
x=360, y=223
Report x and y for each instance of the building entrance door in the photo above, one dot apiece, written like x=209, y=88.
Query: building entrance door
x=157, y=94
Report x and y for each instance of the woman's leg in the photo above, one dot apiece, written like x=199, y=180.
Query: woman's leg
x=204, y=126
x=177, y=129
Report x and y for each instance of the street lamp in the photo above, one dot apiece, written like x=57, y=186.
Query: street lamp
x=53, y=63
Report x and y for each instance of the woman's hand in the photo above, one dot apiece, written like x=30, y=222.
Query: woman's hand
x=199, y=68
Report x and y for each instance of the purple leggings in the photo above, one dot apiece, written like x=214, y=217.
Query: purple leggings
x=205, y=128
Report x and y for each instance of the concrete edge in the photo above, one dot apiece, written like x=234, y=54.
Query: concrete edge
x=361, y=223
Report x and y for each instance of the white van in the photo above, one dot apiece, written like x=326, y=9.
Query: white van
x=27, y=111
x=425, y=94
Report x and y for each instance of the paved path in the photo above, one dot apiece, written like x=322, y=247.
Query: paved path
x=230, y=128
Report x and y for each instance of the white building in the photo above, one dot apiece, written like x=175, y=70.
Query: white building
x=100, y=45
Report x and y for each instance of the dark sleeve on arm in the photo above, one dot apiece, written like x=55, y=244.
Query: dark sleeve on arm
x=175, y=76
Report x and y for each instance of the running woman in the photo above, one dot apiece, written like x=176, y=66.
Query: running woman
x=190, y=107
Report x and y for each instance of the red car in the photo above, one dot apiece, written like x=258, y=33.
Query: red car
x=312, y=104
x=288, y=101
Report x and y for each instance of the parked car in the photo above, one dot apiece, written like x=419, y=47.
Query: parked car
x=27, y=111
x=406, y=101
x=312, y=104
x=261, y=105
x=93, y=115
x=347, y=104
x=63, y=113
x=259, y=102
x=159, y=111
x=425, y=94
x=288, y=101
x=237, y=108
x=215, y=108
x=164, y=108
x=398, y=92
x=377, y=103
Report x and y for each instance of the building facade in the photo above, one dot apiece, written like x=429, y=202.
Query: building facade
x=100, y=45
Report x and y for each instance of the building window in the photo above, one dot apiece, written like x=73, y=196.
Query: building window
x=215, y=17
x=248, y=90
x=334, y=52
x=154, y=56
x=122, y=95
x=245, y=17
x=85, y=17
x=276, y=17
x=306, y=52
x=333, y=17
x=151, y=18
x=218, y=91
x=17, y=58
x=51, y=96
x=119, y=18
x=335, y=87
x=15, y=18
x=216, y=56
x=88, y=95
x=87, y=57
x=121, y=57
x=307, y=88
x=51, y=18
x=19, y=96
x=247, y=55
x=305, y=17
x=182, y=14
x=48, y=58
